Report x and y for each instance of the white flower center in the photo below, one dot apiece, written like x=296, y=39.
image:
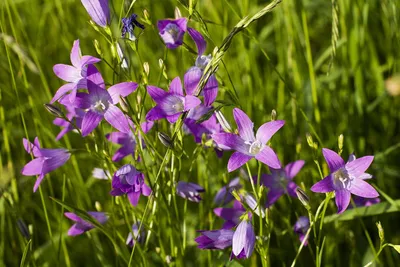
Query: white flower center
x=173, y=30
x=255, y=147
x=342, y=178
x=202, y=61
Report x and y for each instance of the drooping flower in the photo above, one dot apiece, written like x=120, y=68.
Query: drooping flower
x=127, y=180
x=301, y=227
x=230, y=215
x=128, y=25
x=243, y=240
x=137, y=236
x=345, y=179
x=247, y=145
x=365, y=202
x=124, y=61
x=224, y=195
x=77, y=74
x=101, y=103
x=171, y=104
x=193, y=75
x=189, y=191
x=126, y=140
x=81, y=225
x=215, y=239
x=280, y=181
x=98, y=10
x=46, y=160
x=172, y=31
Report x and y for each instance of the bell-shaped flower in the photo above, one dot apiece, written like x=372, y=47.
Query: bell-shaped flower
x=190, y=191
x=98, y=10
x=248, y=145
x=81, y=225
x=172, y=31
x=135, y=235
x=230, y=215
x=243, y=240
x=346, y=179
x=128, y=25
x=301, y=227
x=215, y=239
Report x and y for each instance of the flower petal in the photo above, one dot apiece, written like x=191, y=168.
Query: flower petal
x=98, y=10
x=117, y=119
x=342, y=200
x=55, y=162
x=333, y=160
x=191, y=79
x=75, y=55
x=245, y=125
x=173, y=118
x=293, y=168
x=198, y=39
x=86, y=60
x=67, y=73
x=324, y=186
x=210, y=91
x=363, y=189
x=358, y=166
x=175, y=86
x=267, y=130
x=134, y=198
x=93, y=75
x=232, y=141
x=155, y=113
x=269, y=157
x=33, y=167
x=38, y=182
x=121, y=90
x=273, y=195
x=122, y=152
x=72, y=216
x=157, y=94
x=62, y=91
x=237, y=160
x=191, y=102
x=90, y=122
x=118, y=138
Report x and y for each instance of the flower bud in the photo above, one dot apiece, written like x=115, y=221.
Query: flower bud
x=146, y=14
x=146, y=68
x=273, y=115
x=23, y=229
x=310, y=140
x=98, y=206
x=165, y=139
x=224, y=123
x=380, y=231
x=393, y=85
x=340, y=142
x=97, y=47
x=54, y=110
x=304, y=199
x=178, y=14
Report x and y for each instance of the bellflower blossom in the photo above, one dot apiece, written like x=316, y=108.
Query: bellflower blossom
x=77, y=74
x=243, y=240
x=280, y=181
x=128, y=25
x=98, y=10
x=171, y=104
x=189, y=191
x=215, y=239
x=172, y=31
x=230, y=215
x=127, y=180
x=346, y=179
x=301, y=227
x=137, y=236
x=101, y=103
x=247, y=145
x=126, y=140
x=46, y=160
x=224, y=195
x=81, y=225
x=73, y=114
x=193, y=75
x=365, y=202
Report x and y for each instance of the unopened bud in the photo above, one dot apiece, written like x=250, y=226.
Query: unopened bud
x=98, y=206
x=393, y=85
x=113, y=51
x=97, y=47
x=146, y=68
x=124, y=104
x=315, y=145
x=309, y=139
x=224, y=123
x=146, y=14
x=178, y=14
x=94, y=25
x=340, y=142
x=54, y=110
x=380, y=231
x=165, y=139
x=273, y=115
x=304, y=199
x=23, y=229
x=236, y=195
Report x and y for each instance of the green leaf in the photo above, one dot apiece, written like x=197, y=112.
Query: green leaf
x=25, y=253
x=396, y=247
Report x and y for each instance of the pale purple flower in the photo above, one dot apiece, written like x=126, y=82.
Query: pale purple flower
x=74, y=115
x=127, y=180
x=207, y=127
x=365, y=202
x=224, y=195
x=136, y=236
x=77, y=74
x=301, y=227
x=215, y=239
x=98, y=10
x=100, y=174
x=280, y=181
x=345, y=179
x=247, y=145
x=172, y=31
x=101, y=103
x=126, y=140
x=81, y=225
x=128, y=25
x=190, y=191
x=243, y=240
x=171, y=104
x=46, y=160
x=230, y=215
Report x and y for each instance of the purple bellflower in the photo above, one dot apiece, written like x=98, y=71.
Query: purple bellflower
x=136, y=236
x=128, y=25
x=73, y=114
x=224, y=195
x=193, y=75
x=230, y=215
x=215, y=239
x=345, y=179
x=77, y=74
x=101, y=103
x=280, y=181
x=172, y=31
x=247, y=145
x=365, y=202
x=172, y=104
x=207, y=127
x=81, y=225
x=46, y=160
x=127, y=180
x=98, y=10
x=243, y=240
x=189, y=191
x=301, y=227
x=126, y=140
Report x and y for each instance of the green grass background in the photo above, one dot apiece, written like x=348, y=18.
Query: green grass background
x=280, y=62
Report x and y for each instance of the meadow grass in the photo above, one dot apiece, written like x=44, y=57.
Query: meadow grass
x=321, y=65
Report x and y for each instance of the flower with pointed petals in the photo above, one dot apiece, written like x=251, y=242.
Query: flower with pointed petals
x=81, y=225
x=247, y=145
x=127, y=180
x=280, y=181
x=136, y=236
x=214, y=239
x=224, y=195
x=126, y=140
x=345, y=179
x=128, y=25
x=77, y=74
x=243, y=240
x=189, y=191
x=230, y=215
x=171, y=104
x=193, y=75
x=74, y=115
x=46, y=160
x=301, y=227
x=98, y=10
x=172, y=31
x=101, y=103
